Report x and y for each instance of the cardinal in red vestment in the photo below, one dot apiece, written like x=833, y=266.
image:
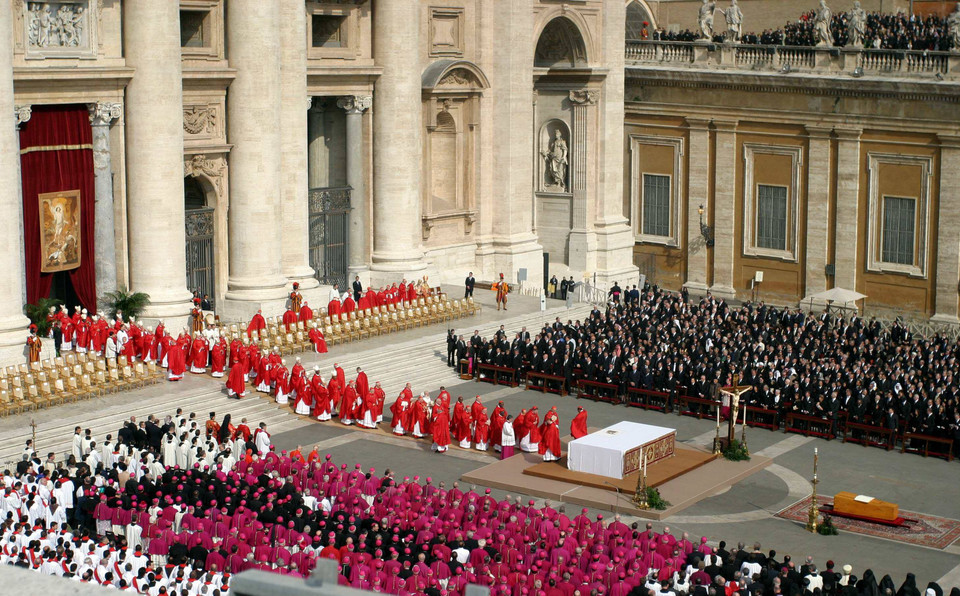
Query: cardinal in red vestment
x=322, y=407
x=481, y=429
x=306, y=313
x=237, y=381
x=334, y=307
x=531, y=424
x=176, y=361
x=400, y=409
x=198, y=355
x=578, y=426
x=380, y=396
x=218, y=358
x=316, y=337
x=290, y=319
x=236, y=351
x=349, y=305
x=419, y=426
x=440, y=426
x=497, y=418
x=549, y=446
x=257, y=323
x=333, y=391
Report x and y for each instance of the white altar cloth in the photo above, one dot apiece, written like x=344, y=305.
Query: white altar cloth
x=604, y=452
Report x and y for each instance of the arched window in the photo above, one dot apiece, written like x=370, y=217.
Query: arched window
x=638, y=22
x=560, y=45
x=194, y=196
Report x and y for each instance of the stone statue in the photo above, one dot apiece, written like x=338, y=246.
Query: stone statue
x=821, y=25
x=953, y=28
x=856, y=26
x=60, y=26
x=734, y=17
x=705, y=19
x=556, y=159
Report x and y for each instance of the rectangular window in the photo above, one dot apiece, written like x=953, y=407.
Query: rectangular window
x=327, y=31
x=899, y=230
x=191, y=28
x=771, y=217
x=656, y=205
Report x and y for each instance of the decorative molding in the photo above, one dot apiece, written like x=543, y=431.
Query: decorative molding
x=875, y=213
x=460, y=77
x=212, y=169
x=22, y=113
x=104, y=113
x=469, y=218
x=446, y=31
x=584, y=97
x=676, y=192
x=355, y=104
x=200, y=120
x=750, y=195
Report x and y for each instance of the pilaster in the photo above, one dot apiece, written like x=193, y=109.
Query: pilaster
x=583, y=243
x=848, y=207
x=818, y=209
x=724, y=208
x=698, y=194
x=948, y=231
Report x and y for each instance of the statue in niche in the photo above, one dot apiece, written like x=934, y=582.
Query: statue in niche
x=556, y=161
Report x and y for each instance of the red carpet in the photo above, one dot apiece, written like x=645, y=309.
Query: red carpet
x=930, y=530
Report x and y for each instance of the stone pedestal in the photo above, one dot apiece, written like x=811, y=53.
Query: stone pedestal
x=355, y=106
x=13, y=325
x=724, y=209
x=256, y=281
x=818, y=210
x=848, y=203
x=102, y=115
x=154, y=145
x=948, y=231
x=699, y=191
x=397, y=249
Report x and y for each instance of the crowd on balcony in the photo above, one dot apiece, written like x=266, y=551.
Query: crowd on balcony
x=826, y=366
x=139, y=516
x=898, y=31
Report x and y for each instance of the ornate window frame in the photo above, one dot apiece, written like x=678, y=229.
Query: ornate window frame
x=212, y=28
x=350, y=29
x=875, y=260
x=676, y=191
x=751, y=196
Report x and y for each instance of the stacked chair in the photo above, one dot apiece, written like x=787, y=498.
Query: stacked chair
x=69, y=378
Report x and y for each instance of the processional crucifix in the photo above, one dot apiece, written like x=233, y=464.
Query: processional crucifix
x=734, y=391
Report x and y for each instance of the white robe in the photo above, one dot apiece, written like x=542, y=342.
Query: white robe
x=170, y=452
x=263, y=442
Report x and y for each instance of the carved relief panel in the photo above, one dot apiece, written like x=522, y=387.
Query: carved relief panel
x=203, y=122
x=446, y=32
x=63, y=29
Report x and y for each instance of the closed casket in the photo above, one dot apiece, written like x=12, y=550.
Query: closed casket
x=863, y=506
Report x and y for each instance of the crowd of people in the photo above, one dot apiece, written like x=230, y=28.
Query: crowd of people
x=180, y=505
x=830, y=366
x=895, y=31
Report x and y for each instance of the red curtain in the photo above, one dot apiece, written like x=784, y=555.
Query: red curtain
x=61, y=159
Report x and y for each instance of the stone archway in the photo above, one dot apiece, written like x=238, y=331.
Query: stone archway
x=640, y=23
x=200, y=225
x=561, y=45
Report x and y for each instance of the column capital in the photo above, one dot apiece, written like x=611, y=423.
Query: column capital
x=698, y=123
x=103, y=113
x=948, y=141
x=818, y=131
x=584, y=97
x=355, y=104
x=22, y=114
x=848, y=133
x=724, y=125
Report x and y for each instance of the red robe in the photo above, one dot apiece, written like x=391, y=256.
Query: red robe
x=347, y=402
x=401, y=411
x=218, y=357
x=176, y=362
x=481, y=427
x=461, y=424
x=321, y=397
x=531, y=424
x=149, y=348
x=257, y=323
x=380, y=397
x=305, y=314
x=578, y=426
x=237, y=381
x=550, y=440
x=334, y=308
x=418, y=413
x=441, y=426
x=497, y=419
x=363, y=386
x=235, y=352
x=349, y=305
x=411, y=293
x=319, y=343
x=289, y=319
x=198, y=356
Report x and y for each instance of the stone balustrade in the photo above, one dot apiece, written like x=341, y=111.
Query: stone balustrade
x=815, y=60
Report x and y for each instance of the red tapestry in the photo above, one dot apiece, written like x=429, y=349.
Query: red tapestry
x=56, y=154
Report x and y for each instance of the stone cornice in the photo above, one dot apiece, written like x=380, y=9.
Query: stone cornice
x=652, y=76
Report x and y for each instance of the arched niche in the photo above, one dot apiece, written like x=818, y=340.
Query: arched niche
x=560, y=45
x=554, y=151
x=639, y=13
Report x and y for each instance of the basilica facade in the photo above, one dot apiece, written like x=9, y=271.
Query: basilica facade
x=234, y=147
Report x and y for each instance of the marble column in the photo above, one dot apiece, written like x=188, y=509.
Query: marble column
x=948, y=231
x=818, y=209
x=154, y=145
x=582, y=240
x=355, y=106
x=317, y=147
x=102, y=115
x=295, y=248
x=253, y=127
x=698, y=177
x=13, y=325
x=724, y=209
x=848, y=206
x=397, y=123
x=22, y=113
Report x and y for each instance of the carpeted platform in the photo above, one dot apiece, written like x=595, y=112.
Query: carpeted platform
x=930, y=530
x=686, y=459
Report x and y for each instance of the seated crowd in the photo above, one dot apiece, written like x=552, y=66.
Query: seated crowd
x=139, y=516
x=826, y=366
x=896, y=31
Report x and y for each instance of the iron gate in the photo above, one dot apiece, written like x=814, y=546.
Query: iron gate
x=330, y=234
x=200, y=265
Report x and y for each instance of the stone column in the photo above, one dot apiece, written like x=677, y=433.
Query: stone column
x=724, y=210
x=582, y=240
x=295, y=247
x=22, y=114
x=102, y=116
x=13, y=325
x=948, y=231
x=848, y=204
x=698, y=194
x=818, y=209
x=317, y=147
x=397, y=250
x=253, y=127
x=154, y=129
x=356, y=105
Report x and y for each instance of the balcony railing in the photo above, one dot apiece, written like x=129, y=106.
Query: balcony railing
x=853, y=62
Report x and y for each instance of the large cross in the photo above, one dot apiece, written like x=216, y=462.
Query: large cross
x=735, y=391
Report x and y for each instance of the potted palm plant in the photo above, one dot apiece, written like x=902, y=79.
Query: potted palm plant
x=129, y=304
